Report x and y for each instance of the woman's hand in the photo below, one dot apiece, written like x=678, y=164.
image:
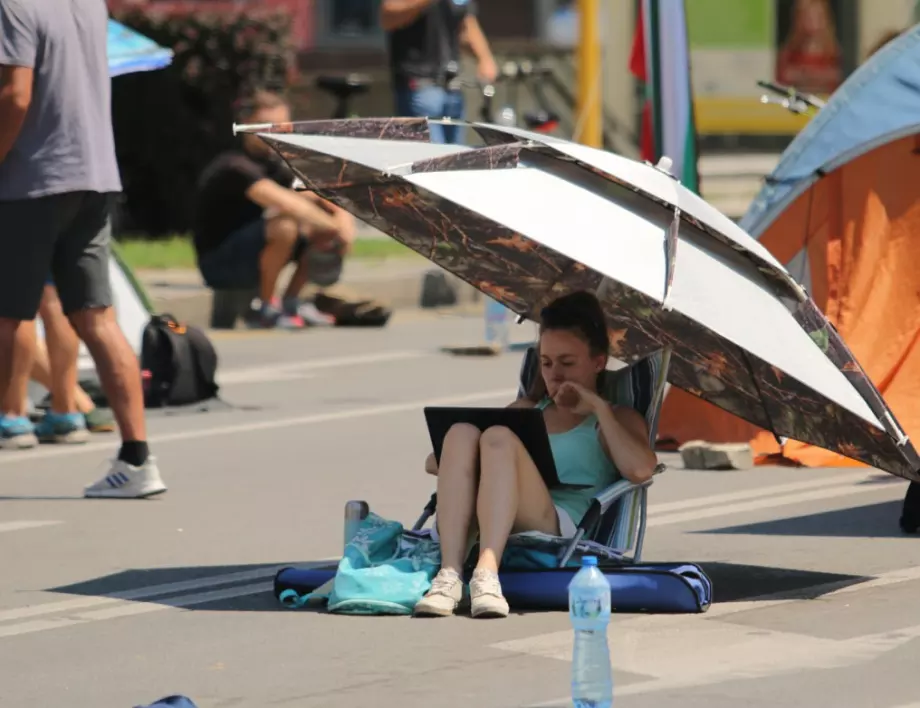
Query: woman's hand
x=577, y=399
x=431, y=465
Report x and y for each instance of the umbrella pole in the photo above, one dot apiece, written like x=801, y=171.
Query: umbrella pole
x=588, y=123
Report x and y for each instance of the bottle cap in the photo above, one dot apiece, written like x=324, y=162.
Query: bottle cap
x=589, y=560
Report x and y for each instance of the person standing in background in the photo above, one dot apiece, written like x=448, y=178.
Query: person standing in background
x=424, y=39
x=58, y=173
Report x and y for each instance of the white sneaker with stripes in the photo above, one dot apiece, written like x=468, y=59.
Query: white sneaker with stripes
x=126, y=481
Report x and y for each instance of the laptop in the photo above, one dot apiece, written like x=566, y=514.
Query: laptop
x=526, y=423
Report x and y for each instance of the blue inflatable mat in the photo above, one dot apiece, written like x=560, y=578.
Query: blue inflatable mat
x=172, y=702
x=642, y=587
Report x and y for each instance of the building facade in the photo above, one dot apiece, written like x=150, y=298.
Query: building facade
x=733, y=44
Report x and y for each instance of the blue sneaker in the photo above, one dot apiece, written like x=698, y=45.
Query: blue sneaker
x=17, y=433
x=62, y=428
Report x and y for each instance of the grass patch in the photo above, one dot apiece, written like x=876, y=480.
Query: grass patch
x=178, y=252
x=174, y=252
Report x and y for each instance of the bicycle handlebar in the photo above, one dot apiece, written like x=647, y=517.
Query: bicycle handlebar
x=792, y=94
x=509, y=71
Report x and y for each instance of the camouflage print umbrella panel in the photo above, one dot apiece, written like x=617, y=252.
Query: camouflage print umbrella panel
x=526, y=218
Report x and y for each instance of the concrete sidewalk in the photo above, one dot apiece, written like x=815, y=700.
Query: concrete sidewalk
x=396, y=282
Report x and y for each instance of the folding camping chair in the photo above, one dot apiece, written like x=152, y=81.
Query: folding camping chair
x=541, y=568
x=615, y=522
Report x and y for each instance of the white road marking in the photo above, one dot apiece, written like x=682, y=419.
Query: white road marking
x=711, y=510
x=142, y=593
x=505, y=394
x=267, y=375
x=680, y=651
x=715, y=652
x=759, y=492
x=128, y=610
x=535, y=644
x=22, y=525
x=284, y=372
x=136, y=601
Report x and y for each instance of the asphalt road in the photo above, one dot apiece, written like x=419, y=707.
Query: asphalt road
x=112, y=604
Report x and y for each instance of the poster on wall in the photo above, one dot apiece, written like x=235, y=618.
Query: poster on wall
x=735, y=44
x=808, y=52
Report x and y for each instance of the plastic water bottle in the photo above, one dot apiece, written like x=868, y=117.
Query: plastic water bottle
x=356, y=511
x=589, y=611
x=498, y=324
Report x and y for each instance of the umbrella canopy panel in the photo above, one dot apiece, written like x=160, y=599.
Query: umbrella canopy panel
x=130, y=51
x=643, y=177
x=526, y=229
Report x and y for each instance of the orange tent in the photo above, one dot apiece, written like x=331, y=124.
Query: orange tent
x=842, y=212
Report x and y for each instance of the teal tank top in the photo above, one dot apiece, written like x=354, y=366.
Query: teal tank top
x=579, y=459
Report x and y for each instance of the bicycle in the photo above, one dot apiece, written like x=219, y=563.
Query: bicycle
x=344, y=88
x=515, y=74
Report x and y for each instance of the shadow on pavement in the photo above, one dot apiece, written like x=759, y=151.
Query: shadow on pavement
x=869, y=521
x=239, y=588
x=248, y=588
x=734, y=582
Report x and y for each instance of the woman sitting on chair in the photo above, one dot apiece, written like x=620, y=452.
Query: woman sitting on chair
x=488, y=483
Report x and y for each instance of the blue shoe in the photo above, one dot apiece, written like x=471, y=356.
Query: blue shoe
x=62, y=428
x=17, y=433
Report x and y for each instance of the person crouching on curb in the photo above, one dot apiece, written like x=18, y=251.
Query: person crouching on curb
x=250, y=223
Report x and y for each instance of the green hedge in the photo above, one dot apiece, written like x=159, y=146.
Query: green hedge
x=170, y=123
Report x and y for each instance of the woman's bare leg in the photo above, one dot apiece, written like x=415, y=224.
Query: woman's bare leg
x=458, y=473
x=512, y=498
x=41, y=373
x=62, y=349
x=457, y=479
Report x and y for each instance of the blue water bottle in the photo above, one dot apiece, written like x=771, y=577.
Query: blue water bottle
x=589, y=612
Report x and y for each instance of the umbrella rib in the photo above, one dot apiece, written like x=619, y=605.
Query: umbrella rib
x=670, y=256
x=766, y=411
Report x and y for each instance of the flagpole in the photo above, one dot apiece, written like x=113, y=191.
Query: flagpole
x=589, y=75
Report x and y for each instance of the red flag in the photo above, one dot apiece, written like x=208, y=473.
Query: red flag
x=638, y=67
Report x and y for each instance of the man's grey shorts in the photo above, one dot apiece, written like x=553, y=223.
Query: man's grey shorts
x=66, y=236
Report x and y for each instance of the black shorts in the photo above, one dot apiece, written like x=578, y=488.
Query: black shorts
x=64, y=236
x=234, y=264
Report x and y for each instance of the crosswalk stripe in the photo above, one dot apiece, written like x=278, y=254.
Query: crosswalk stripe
x=23, y=525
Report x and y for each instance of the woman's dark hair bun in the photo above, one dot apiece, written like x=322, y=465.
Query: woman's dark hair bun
x=579, y=311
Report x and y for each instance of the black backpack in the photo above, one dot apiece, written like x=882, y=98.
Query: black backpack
x=178, y=363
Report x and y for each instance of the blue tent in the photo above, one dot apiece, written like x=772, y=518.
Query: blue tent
x=130, y=51
x=878, y=104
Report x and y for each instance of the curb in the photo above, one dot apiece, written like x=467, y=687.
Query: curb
x=397, y=285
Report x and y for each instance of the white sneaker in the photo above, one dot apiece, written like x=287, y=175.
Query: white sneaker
x=126, y=481
x=313, y=316
x=486, y=595
x=443, y=597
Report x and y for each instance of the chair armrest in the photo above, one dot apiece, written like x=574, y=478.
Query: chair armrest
x=606, y=498
x=618, y=489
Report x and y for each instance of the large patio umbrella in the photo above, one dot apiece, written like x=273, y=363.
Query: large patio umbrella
x=527, y=218
x=130, y=51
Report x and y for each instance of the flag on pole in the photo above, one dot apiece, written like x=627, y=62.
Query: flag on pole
x=660, y=59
